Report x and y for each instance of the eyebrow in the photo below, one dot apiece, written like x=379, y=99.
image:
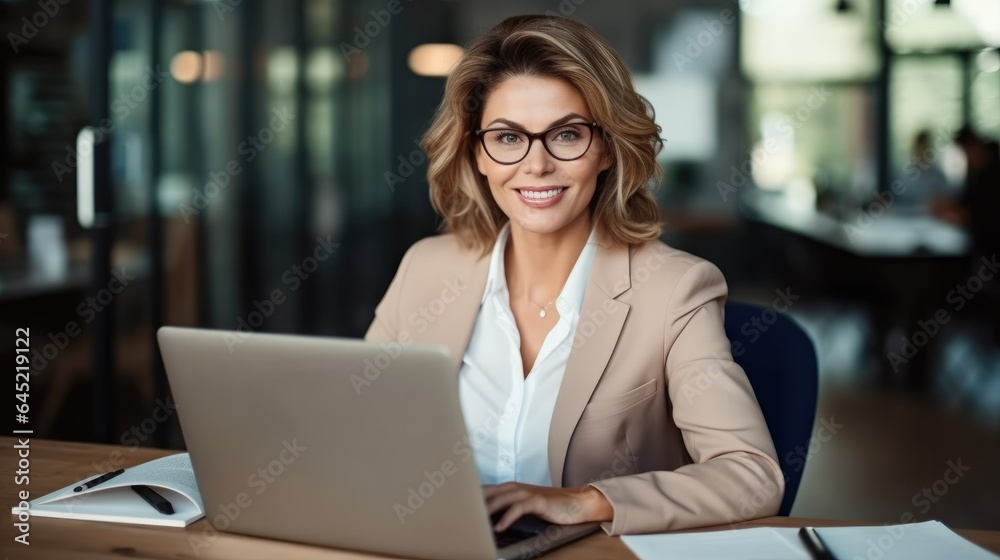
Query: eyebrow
x=557, y=122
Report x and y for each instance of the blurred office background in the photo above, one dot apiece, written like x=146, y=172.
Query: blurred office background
x=185, y=162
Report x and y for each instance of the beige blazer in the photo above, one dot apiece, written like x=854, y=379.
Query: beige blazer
x=652, y=410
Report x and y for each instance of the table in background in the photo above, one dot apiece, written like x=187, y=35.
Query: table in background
x=55, y=464
x=899, y=265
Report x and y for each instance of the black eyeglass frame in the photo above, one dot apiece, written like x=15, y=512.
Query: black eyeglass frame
x=532, y=136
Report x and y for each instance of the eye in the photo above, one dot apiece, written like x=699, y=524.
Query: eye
x=506, y=137
x=568, y=134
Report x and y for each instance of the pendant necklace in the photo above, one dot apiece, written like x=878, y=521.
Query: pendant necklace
x=541, y=308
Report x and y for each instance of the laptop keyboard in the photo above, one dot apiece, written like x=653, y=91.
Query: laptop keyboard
x=512, y=536
x=523, y=529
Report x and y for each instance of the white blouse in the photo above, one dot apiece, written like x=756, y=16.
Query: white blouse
x=507, y=415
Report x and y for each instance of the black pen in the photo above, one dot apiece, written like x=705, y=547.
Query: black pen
x=161, y=504
x=817, y=549
x=95, y=481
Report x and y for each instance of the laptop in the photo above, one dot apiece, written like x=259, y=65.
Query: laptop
x=340, y=443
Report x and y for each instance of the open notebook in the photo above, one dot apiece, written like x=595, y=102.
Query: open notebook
x=114, y=500
x=929, y=540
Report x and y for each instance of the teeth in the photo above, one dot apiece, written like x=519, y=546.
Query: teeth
x=541, y=194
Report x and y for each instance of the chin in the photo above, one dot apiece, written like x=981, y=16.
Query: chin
x=543, y=226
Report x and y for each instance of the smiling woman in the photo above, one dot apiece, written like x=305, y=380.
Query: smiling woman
x=572, y=65
x=576, y=331
x=561, y=177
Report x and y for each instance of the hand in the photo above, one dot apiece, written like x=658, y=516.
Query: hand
x=565, y=506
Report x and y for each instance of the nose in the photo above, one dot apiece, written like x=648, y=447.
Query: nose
x=538, y=160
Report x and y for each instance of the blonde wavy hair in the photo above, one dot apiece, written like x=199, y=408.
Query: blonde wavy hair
x=545, y=46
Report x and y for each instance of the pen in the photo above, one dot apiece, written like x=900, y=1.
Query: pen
x=161, y=504
x=95, y=481
x=817, y=549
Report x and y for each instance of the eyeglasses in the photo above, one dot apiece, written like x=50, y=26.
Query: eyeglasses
x=565, y=142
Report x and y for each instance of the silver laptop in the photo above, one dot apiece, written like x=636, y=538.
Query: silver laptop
x=338, y=443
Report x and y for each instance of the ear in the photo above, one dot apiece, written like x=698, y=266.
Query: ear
x=607, y=159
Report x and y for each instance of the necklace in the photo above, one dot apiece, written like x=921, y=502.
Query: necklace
x=541, y=312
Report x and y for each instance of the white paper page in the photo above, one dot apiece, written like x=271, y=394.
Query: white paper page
x=760, y=543
x=930, y=540
x=173, y=472
x=121, y=505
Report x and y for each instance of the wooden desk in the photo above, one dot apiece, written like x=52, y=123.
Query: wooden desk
x=55, y=464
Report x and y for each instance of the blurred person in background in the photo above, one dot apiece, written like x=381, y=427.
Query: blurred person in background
x=582, y=342
x=978, y=210
x=981, y=199
x=977, y=207
x=924, y=181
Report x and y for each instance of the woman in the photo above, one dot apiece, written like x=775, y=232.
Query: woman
x=595, y=377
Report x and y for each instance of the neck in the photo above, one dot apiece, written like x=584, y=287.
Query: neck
x=537, y=265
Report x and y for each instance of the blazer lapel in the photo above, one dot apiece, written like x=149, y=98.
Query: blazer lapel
x=454, y=327
x=601, y=321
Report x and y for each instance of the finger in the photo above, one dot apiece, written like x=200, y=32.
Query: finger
x=493, y=489
x=535, y=504
x=500, y=501
x=513, y=513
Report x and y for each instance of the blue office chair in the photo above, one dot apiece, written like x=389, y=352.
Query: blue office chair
x=781, y=365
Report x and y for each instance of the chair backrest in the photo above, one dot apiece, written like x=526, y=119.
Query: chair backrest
x=780, y=362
